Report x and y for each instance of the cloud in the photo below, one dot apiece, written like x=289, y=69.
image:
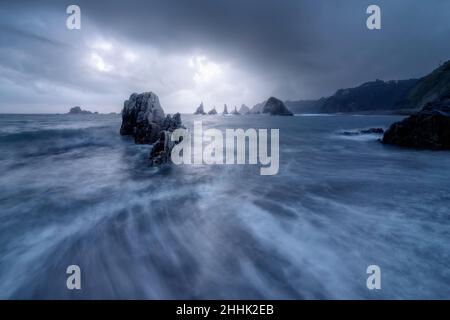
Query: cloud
x=222, y=51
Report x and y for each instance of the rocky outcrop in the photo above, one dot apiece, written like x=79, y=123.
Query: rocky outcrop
x=212, y=111
x=78, y=110
x=144, y=119
x=426, y=129
x=244, y=109
x=162, y=149
x=275, y=106
x=225, y=109
x=235, y=112
x=200, y=110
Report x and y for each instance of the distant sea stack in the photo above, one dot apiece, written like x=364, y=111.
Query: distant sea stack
x=275, y=106
x=225, y=109
x=244, y=109
x=78, y=110
x=144, y=119
x=200, y=110
x=235, y=112
x=426, y=129
x=212, y=111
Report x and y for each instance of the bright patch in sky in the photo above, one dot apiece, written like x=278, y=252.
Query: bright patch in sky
x=205, y=70
x=99, y=63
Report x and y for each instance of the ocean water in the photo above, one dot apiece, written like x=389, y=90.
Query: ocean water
x=73, y=191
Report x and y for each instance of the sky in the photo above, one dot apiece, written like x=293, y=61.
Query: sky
x=211, y=51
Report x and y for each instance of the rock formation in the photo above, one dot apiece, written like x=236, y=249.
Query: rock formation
x=225, y=109
x=258, y=108
x=244, y=109
x=426, y=129
x=235, y=112
x=212, y=111
x=275, y=106
x=162, y=149
x=144, y=119
x=200, y=110
x=78, y=110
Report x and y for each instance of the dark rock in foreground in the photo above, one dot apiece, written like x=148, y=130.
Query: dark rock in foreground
x=426, y=129
x=144, y=119
x=162, y=149
x=275, y=106
x=78, y=110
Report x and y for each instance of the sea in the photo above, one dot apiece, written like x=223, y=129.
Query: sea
x=73, y=191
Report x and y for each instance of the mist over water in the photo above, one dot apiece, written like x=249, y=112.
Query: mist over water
x=73, y=191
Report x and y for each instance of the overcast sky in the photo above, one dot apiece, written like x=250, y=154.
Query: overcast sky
x=215, y=51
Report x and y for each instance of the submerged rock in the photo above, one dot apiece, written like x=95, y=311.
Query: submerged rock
x=426, y=129
x=200, y=110
x=144, y=119
x=275, y=106
x=364, y=131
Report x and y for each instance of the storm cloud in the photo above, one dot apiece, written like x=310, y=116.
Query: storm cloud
x=215, y=51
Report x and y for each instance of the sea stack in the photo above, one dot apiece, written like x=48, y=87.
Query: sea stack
x=213, y=111
x=244, y=109
x=235, y=112
x=144, y=118
x=426, y=129
x=225, y=109
x=200, y=110
x=275, y=106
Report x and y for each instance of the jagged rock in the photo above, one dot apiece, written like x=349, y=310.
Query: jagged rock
x=275, y=106
x=426, y=129
x=225, y=109
x=200, y=110
x=213, y=111
x=235, y=112
x=162, y=149
x=244, y=109
x=143, y=118
x=78, y=110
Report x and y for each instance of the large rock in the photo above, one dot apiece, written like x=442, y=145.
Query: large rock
x=143, y=118
x=200, y=110
x=235, y=112
x=225, y=109
x=275, y=106
x=426, y=129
